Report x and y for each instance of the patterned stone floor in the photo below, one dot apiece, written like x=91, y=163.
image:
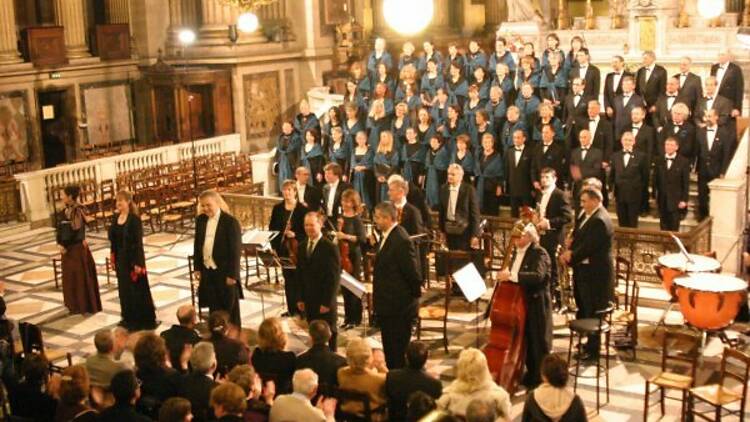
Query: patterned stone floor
x=27, y=273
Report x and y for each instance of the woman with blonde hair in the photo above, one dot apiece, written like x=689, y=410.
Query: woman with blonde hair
x=270, y=359
x=352, y=231
x=74, y=389
x=378, y=121
x=359, y=376
x=385, y=163
x=473, y=381
x=129, y=261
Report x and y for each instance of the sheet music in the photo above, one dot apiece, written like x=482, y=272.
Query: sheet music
x=259, y=237
x=470, y=281
x=352, y=284
x=682, y=248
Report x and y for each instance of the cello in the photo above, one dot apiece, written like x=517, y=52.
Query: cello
x=505, y=349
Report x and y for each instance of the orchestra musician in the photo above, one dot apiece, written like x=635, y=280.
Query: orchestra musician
x=459, y=211
x=351, y=230
x=332, y=190
x=288, y=218
x=409, y=216
x=307, y=194
x=530, y=268
x=590, y=256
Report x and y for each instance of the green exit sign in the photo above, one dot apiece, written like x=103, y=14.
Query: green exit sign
x=55, y=75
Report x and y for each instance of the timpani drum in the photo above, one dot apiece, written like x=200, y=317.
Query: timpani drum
x=710, y=301
x=676, y=264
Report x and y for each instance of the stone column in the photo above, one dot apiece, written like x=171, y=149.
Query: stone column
x=175, y=15
x=216, y=17
x=441, y=17
x=71, y=14
x=494, y=14
x=8, y=38
x=118, y=11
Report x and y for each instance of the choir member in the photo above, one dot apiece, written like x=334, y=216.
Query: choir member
x=683, y=130
x=425, y=126
x=530, y=268
x=553, y=49
x=590, y=256
x=497, y=110
x=396, y=285
x=651, y=80
x=672, y=176
x=464, y=157
x=630, y=171
x=613, y=82
x=318, y=272
x=663, y=112
x=353, y=122
x=305, y=119
x=410, y=97
x=489, y=176
x=715, y=146
x=645, y=144
x=129, y=260
x=454, y=57
x=528, y=51
x=385, y=163
x=351, y=230
x=331, y=119
x=354, y=96
x=691, y=88
x=311, y=155
x=548, y=153
x=439, y=110
x=382, y=92
x=407, y=57
x=458, y=88
x=436, y=163
x=481, y=125
x=400, y=122
x=412, y=157
x=527, y=73
x=588, y=72
x=546, y=116
x=575, y=110
x=527, y=104
x=622, y=106
x=377, y=122
x=481, y=80
x=503, y=79
x=379, y=55
x=518, y=185
x=288, y=218
x=553, y=83
x=362, y=80
x=361, y=166
x=455, y=125
x=216, y=254
x=432, y=79
x=601, y=131
x=730, y=81
x=79, y=280
x=502, y=56
x=430, y=54
x=308, y=195
x=473, y=104
x=287, y=152
x=459, y=211
x=475, y=58
x=712, y=101
x=585, y=161
x=339, y=151
x=332, y=190
x=512, y=124
x=383, y=77
x=576, y=45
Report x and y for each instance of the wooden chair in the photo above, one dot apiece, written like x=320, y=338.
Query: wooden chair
x=719, y=395
x=32, y=341
x=626, y=318
x=350, y=399
x=194, y=283
x=107, y=196
x=57, y=270
x=672, y=359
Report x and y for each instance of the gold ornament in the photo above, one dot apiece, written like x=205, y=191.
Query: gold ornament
x=248, y=4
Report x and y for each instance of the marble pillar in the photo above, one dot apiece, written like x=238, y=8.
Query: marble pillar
x=118, y=11
x=175, y=15
x=216, y=18
x=495, y=13
x=71, y=14
x=441, y=15
x=8, y=37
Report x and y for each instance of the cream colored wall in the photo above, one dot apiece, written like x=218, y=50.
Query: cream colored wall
x=150, y=20
x=473, y=17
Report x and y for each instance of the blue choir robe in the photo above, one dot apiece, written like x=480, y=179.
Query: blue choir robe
x=570, y=61
x=507, y=58
x=467, y=163
x=553, y=86
x=439, y=113
x=384, y=165
x=547, y=52
x=364, y=88
x=313, y=160
x=362, y=180
x=484, y=89
x=506, y=135
x=497, y=113
x=470, y=112
x=521, y=78
x=325, y=132
x=436, y=164
x=528, y=107
x=304, y=123
x=459, y=58
x=399, y=133
x=489, y=174
x=425, y=136
x=457, y=91
x=473, y=61
x=287, y=156
x=373, y=61
x=405, y=60
x=450, y=133
x=429, y=86
x=340, y=154
x=413, y=103
x=477, y=133
x=556, y=125
x=359, y=100
x=351, y=132
x=412, y=157
x=375, y=127
x=422, y=63
x=508, y=88
x=389, y=82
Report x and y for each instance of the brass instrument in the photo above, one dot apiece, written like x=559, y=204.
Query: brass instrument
x=564, y=279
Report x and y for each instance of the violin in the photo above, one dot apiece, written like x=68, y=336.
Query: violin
x=346, y=261
x=291, y=243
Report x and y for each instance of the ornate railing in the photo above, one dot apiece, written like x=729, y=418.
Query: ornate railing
x=10, y=200
x=252, y=211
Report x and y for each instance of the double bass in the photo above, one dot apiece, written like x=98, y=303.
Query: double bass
x=505, y=349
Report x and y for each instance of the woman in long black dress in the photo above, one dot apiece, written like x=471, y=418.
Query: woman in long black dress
x=352, y=231
x=288, y=218
x=128, y=257
x=80, y=283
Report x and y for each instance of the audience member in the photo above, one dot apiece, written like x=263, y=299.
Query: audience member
x=74, y=393
x=228, y=402
x=230, y=352
x=297, y=406
x=551, y=401
x=175, y=409
x=419, y=405
x=480, y=410
x=359, y=376
x=126, y=389
x=259, y=399
x=197, y=386
x=29, y=398
x=159, y=381
x=102, y=365
x=270, y=359
x=319, y=357
x=124, y=344
x=179, y=335
x=400, y=384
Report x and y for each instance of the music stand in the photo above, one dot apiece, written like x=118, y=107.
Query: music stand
x=357, y=288
x=472, y=286
x=257, y=243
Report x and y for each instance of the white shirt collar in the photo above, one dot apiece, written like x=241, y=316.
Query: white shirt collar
x=401, y=203
x=671, y=157
x=549, y=190
x=216, y=216
x=455, y=188
x=334, y=185
x=388, y=232
x=315, y=241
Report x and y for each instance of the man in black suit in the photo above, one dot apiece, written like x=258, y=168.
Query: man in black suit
x=307, y=194
x=629, y=176
x=196, y=387
x=645, y=144
x=666, y=101
x=409, y=217
x=585, y=161
x=554, y=214
x=319, y=357
x=400, y=384
x=216, y=256
x=458, y=211
x=712, y=101
x=613, y=81
x=396, y=284
x=575, y=110
x=126, y=390
x=691, y=87
x=623, y=105
x=600, y=129
x=518, y=163
x=332, y=191
x=587, y=72
x=651, y=80
x=415, y=196
x=590, y=256
x=548, y=154
x=530, y=268
x=683, y=130
x=318, y=272
x=715, y=146
x=177, y=336
x=730, y=81
x=672, y=176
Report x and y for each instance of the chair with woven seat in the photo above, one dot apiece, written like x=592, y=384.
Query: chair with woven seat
x=679, y=349
x=194, y=283
x=719, y=396
x=32, y=342
x=625, y=316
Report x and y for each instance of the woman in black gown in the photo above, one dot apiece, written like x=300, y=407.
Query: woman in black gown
x=352, y=231
x=128, y=258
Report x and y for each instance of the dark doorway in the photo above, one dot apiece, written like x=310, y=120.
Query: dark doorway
x=57, y=137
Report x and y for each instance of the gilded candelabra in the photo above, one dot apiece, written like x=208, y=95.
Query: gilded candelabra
x=248, y=4
x=590, y=19
x=563, y=21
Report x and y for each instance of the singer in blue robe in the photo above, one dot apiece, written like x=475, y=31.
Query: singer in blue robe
x=436, y=166
x=454, y=126
x=306, y=120
x=553, y=85
x=430, y=54
x=483, y=82
x=556, y=125
x=353, y=124
x=375, y=58
x=398, y=128
x=458, y=90
x=528, y=106
x=384, y=165
x=362, y=180
x=439, y=113
x=287, y=153
x=464, y=157
x=472, y=106
x=314, y=160
x=430, y=84
x=475, y=58
x=482, y=124
x=527, y=75
x=501, y=55
x=489, y=172
x=375, y=126
x=512, y=124
x=339, y=151
x=549, y=52
x=413, y=156
x=497, y=109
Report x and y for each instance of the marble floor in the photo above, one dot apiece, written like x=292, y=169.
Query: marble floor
x=27, y=273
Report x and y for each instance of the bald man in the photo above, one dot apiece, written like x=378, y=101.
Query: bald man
x=179, y=335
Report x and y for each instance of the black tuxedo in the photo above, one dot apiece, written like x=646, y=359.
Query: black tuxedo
x=417, y=198
x=313, y=197
x=197, y=388
x=663, y=113
x=646, y=143
x=396, y=291
x=554, y=158
x=656, y=84
x=723, y=108
x=175, y=338
x=411, y=220
x=609, y=92
x=340, y=188
x=732, y=84
x=685, y=136
x=323, y=362
x=673, y=186
x=591, y=260
x=628, y=182
x=622, y=113
x=559, y=214
x=213, y=291
x=713, y=162
x=589, y=167
x=518, y=178
x=122, y=413
x=602, y=139
x=593, y=79
x=401, y=383
x=691, y=90
x=467, y=210
x=318, y=276
x=574, y=115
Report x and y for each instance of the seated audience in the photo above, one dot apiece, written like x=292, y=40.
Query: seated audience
x=158, y=381
x=270, y=360
x=480, y=410
x=361, y=377
x=127, y=391
x=552, y=401
x=74, y=393
x=102, y=365
x=297, y=406
x=30, y=398
x=400, y=384
x=230, y=352
x=473, y=380
x=259, y=398
x=319, y=357
x=419, y=405
x=125, y=342
x=179, y=335
x=197, y=386
x=228, y=402
x=175, y=409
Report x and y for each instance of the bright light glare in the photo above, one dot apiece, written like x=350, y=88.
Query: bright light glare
x=408, y=16
x=186, y=37
x=743, y=36
x=247, y=22
x=710, y=9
